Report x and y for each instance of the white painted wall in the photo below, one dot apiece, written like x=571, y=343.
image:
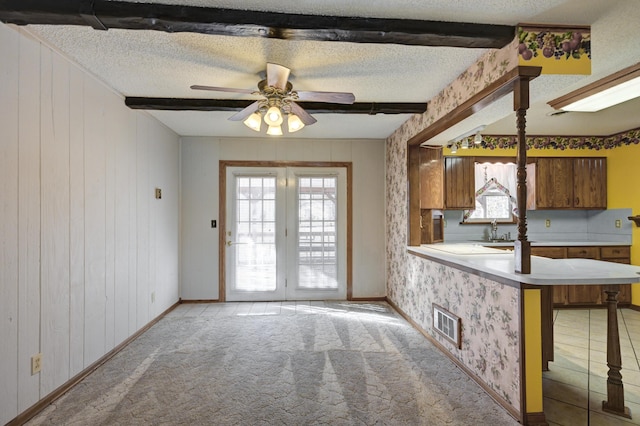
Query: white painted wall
x=199, y=190
x=83, y=241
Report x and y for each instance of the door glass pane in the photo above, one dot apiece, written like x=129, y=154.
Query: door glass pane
x=255, y=268
x=317, y=215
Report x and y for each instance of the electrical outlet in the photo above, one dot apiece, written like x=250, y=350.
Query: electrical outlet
x=153, y=297
x=36, y=364
x=158, y=193
x=618, y=223
x=547, y=223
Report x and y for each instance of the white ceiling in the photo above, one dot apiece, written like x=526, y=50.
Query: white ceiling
x=158, y=64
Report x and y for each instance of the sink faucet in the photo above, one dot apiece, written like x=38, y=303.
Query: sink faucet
x=494, y=229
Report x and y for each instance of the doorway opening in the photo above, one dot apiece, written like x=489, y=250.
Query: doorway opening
x=286, y=231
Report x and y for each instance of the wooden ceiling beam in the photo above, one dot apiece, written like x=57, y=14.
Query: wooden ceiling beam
x=188, y=104
x=102, y=14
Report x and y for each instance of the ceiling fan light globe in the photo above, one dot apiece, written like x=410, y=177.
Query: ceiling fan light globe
x=273, y=117
x=274, y=131
x=254, y=122
x=294, y=123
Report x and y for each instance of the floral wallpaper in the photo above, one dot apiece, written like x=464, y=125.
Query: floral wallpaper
x=486, y=70
x=489, y=311
x=489, y=68
x=490, y=314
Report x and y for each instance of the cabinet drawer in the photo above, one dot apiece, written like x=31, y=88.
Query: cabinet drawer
x=624, y=260
x=583, y=252
x=615, y=252
x=552, y=252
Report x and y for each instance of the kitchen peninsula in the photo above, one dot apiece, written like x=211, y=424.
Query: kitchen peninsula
x=500, y=312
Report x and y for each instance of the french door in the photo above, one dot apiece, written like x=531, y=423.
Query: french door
x=285, y=233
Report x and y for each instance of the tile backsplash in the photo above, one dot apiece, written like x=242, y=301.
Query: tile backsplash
x=565, y=225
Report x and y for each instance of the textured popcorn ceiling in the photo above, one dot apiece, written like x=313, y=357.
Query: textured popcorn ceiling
x=157, y=64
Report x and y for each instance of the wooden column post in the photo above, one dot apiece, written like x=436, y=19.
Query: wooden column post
x=414, y=233
x=522, y=247
x=615, y=389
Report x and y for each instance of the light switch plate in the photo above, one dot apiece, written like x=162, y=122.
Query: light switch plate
x=618, y=223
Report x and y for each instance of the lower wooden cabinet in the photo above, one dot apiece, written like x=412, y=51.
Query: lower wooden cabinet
x=571, y=296
x=584, y=296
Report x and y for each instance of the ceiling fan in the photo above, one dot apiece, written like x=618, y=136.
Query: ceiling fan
x=277, y=100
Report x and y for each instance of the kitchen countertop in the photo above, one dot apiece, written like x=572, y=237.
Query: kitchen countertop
x=546, y=243
x=544, y=271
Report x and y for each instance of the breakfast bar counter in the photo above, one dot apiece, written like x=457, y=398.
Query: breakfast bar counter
x=505, y=334
x=544, y=271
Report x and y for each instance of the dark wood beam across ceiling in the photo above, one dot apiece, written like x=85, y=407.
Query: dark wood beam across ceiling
x=188, y=104
x=103, y=15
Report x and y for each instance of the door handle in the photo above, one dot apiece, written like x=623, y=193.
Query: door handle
x=231, y=243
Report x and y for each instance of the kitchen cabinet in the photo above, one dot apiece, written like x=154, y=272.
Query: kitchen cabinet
x=559, y=293
x=459, y=179
x=431, y=178
x=567, y=183
x=552, y=183
x=446, y=182
x=586, y=295
x=590, y=183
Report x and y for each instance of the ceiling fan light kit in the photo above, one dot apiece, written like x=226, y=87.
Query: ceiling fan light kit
x=254, y=122
x=274, y=131
x=278, y=100
x=294, y=123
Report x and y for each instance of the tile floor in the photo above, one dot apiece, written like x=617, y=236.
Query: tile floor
x=575, y=385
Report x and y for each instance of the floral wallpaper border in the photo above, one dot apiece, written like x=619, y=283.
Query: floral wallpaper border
x=561, y=45
x=630, y=137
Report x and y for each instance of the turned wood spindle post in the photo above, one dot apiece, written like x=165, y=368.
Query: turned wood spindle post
x=615, y=389
x=522, y=247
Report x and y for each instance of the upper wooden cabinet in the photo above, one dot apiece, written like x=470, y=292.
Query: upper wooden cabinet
x=459, y=179
x=590, y=183
x=567, y=183
x=431, y=179
x=446, y=182
x=552, y=182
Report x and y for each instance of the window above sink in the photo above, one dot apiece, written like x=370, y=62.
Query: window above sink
x=495, y=194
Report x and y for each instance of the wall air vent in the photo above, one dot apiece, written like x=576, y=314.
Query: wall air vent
x=447, y=324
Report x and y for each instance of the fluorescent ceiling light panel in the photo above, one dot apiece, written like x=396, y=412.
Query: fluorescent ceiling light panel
x=607, y=98
x=619, y=87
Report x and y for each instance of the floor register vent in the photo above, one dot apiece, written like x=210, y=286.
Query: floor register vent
x=447, y=324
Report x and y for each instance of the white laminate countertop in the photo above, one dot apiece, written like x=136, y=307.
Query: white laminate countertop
x=544, y=271
x=547, y=243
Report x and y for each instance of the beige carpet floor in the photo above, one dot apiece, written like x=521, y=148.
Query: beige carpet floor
x=289, y=363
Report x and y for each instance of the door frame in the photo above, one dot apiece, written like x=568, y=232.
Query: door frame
x=222, y=214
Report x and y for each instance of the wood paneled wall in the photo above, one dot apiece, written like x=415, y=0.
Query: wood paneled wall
x=83, y=241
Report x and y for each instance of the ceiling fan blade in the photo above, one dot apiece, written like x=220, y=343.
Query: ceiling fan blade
x=277, y=75
x=243, y=114
x=222, y=89
x=304, y=116
x=331, y=97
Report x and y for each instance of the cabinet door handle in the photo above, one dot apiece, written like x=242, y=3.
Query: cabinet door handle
x=577, y=201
